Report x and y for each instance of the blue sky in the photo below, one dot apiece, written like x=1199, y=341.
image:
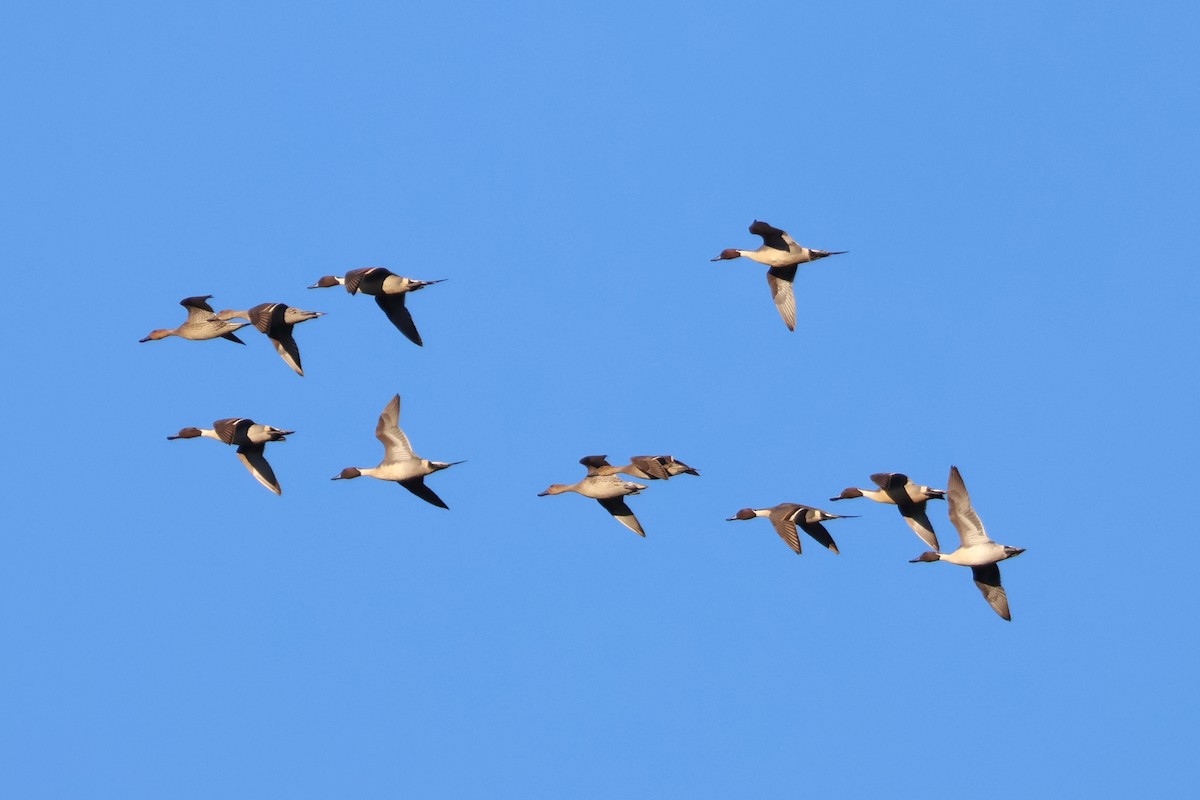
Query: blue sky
x=1017, y=187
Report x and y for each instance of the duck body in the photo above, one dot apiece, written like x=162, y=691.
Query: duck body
x=200, y=325
x=895, y=488
x=389, y=291
x=276, y=321
x=251, y=440
x=787, y=517
x=782, y=255
x=610, y=491
x=976, y=549
x=648, y=468
x=400, y=463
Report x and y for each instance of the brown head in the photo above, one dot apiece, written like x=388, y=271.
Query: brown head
x=186, y=433
x=727, y=254
x=745, y=513
x=161, y=333
x=555, y=488
x=325, y=282
x=347, y=474
x=928, y=555
x=848, y=494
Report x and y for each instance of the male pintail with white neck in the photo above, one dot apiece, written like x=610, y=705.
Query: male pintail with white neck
x=976, y=549
x=400, y=463
x=786, y=516
x=251, y=440
x=896, y=489
x=389, y=290
x=781, y=255
x=276, y=320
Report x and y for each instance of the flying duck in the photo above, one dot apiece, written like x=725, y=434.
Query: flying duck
x=781, y=255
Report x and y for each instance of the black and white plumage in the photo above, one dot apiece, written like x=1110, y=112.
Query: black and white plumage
x=781, y=255
x=976, y=549
x=251, y=440
x=389, y=291
x=910, y=498
x=788, y=518
x=276, y=321
x=400, y=463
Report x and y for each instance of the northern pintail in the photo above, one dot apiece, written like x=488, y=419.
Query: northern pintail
x=781, y=255
x=786, y=516
x=649, y=468
x=251, y=440
x=400, y=463
x=896, y=489
x=976, y=549
x=389, y=290
x=200, y=323
x=608, y=490
x=276, y=320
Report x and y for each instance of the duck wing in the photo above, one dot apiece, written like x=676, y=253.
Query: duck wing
x=285, y=345
x=417, y=486
x=254, y=458
x=817, y=531
x=387, y=430
x=397, y=312
x=987, y=578
x=620, y=511
x=653, y=467
x=772, y=237
x=966, y=521
x=783, y=519
x=918, y=520
x=780, y=281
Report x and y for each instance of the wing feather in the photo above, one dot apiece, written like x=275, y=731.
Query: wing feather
x=397, y=312
x=253, y=457
x=387, y=430
x=620, y=511
x=962, y=514
x=417, y=486
x=987, y=578
x=779, y=279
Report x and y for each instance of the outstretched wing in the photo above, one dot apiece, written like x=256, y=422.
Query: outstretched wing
x=593, y=463
x=783, y=519
x=397, y=312
x=780, y=281
x=772, y=237
x=285, y=345
x=655, y=467
x=970, y=528
x=620, y=510
x=387, y=430
x=253, y=456
x=817, y=531
x=417, y=486
x=196, y=306
x=918, y=520
x=987, y=578
x=353, y=279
